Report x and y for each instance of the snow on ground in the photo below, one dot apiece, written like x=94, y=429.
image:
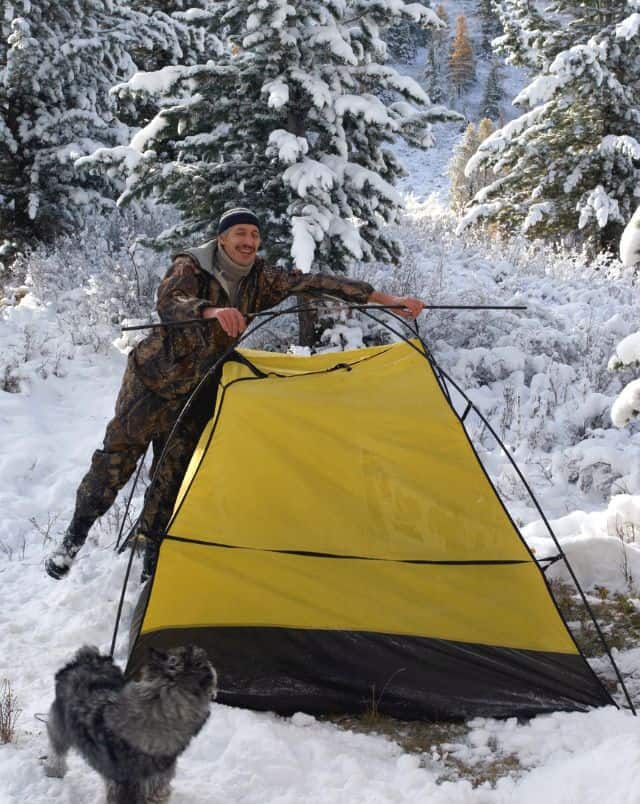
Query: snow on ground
x=540, y=377
x=50, y=428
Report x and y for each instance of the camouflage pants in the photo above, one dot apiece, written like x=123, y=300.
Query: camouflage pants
x=141, y=418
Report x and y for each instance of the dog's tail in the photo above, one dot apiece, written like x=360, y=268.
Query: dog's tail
x=90, y=659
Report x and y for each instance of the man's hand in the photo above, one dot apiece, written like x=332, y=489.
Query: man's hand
x=409, y=307
x=230, y=319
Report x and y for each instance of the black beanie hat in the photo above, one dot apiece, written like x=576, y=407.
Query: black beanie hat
x=232, y=217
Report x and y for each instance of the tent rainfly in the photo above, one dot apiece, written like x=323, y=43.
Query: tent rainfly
x=337, y=545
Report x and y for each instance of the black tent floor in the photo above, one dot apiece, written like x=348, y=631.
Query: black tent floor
x=330, y=672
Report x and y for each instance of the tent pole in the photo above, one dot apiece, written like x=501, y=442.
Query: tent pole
x=122, y=595
x=128, y=505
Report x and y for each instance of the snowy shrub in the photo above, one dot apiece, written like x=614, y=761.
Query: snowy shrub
x=9, y=712
x=626, y=356
x=630, y=241
x=101, y=274
x=627, y=353
x=10, y=380
x=623, y=518
x=76, y=294
x=540, y=376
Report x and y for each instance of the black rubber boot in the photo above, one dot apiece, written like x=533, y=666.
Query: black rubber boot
x=59, y=562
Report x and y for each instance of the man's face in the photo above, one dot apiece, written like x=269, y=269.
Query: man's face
x=241, y=242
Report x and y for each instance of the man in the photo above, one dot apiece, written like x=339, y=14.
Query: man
x=223, y=281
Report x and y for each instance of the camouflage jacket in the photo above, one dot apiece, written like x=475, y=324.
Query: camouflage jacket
x=171, y=361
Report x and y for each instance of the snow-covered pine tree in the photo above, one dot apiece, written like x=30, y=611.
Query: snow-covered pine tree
x=290, y=123
x=189, y=37
x=489, y=23
x=491, y=105
x=525, y=29
x=58, y=62
x=570, y=164
x=190, y=33
x=462, y=69
x=463, y=187
x=403, y=41
x=436, y=75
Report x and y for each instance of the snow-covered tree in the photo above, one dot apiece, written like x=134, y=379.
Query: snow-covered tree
x=58, y=62
x=526, y=34
x=570, y=164
x=291, y=123
x=462, y=69
x=190, y=29
x=463, y=187
x=489, y=23
x=403, y=41
x=491, y=105
x=189, y=36
x=436, y=75
x=627, y=353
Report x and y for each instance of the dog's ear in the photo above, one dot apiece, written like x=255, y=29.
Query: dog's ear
x=157, y=657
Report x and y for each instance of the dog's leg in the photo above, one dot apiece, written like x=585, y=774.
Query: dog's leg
x=125, y=793
x=56, y=764
x=158, y=787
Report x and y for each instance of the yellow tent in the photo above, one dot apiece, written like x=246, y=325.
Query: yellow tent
x=337, y=545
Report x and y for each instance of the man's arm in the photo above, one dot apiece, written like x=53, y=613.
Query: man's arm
x=181, y=292
x=280, y=284
x=351, y=290
x=182, y=296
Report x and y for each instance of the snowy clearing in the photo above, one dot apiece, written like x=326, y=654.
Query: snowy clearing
x=54, y=422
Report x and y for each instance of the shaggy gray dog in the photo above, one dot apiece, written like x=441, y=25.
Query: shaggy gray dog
x=130, y=732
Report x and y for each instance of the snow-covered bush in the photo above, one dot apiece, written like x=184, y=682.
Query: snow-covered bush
x=626, y=356
x=630, y=241
x=86, y=286
x=9, y=712
x=540, y=376
x=627, y=353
